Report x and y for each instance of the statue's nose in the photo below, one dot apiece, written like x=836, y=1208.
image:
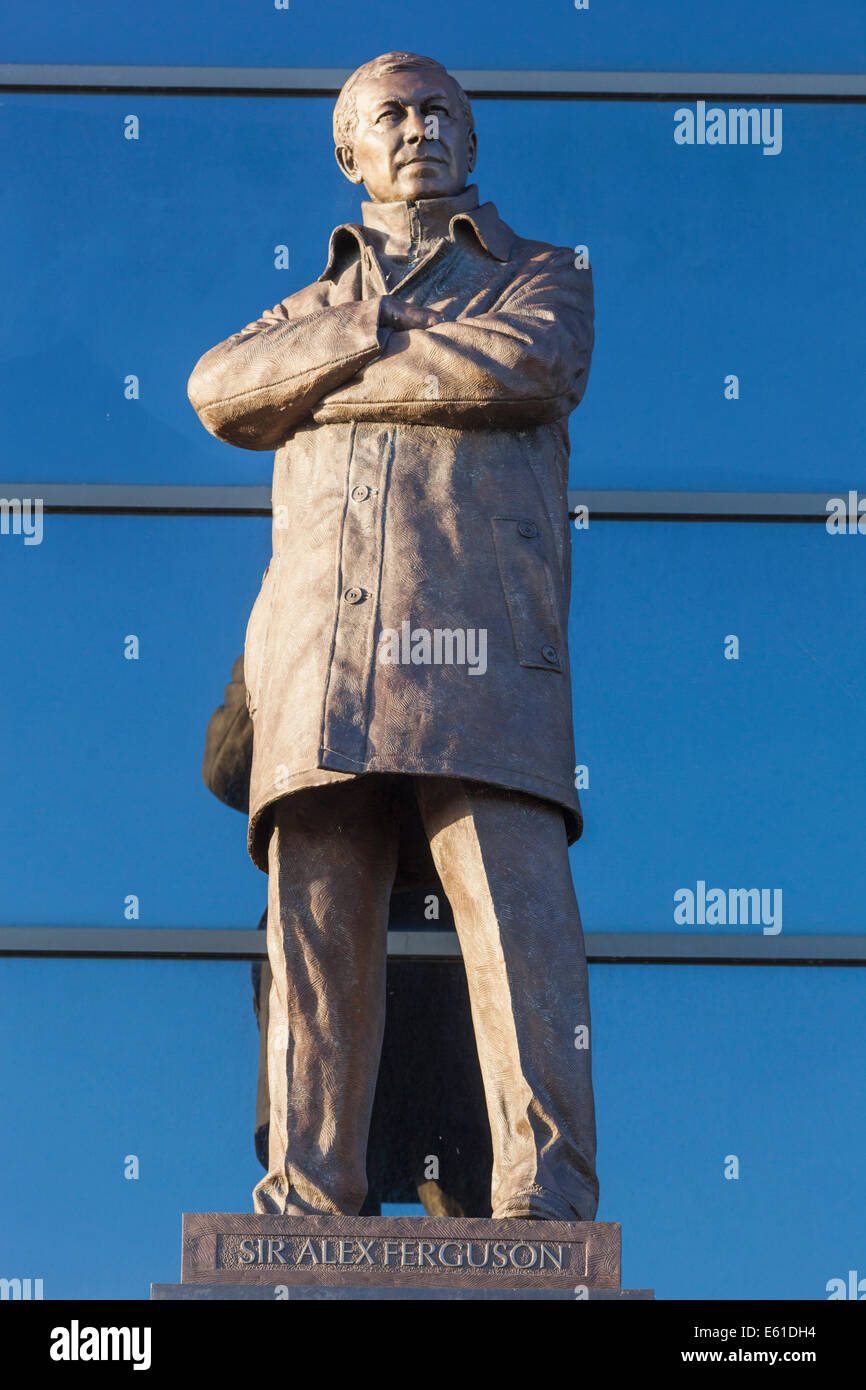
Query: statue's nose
x=414, y=130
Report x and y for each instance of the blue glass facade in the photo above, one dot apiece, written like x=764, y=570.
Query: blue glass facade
x=718, y=669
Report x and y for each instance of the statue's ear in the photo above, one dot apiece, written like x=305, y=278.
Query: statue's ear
x=347, y=162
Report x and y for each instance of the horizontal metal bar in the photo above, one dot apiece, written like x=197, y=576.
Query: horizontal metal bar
x=186, y=943
x=144, y=499
x=705, y=506
x=155, y=499
x=478, y=82
x=725, y=948
x=650, y=948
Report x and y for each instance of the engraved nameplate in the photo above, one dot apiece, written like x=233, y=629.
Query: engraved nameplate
x=237, y=1248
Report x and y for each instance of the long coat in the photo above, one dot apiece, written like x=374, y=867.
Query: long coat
x=413, y=617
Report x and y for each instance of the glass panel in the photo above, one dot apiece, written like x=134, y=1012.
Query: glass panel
x=105, y=1062
x=777, y=36
x=738, y=773
x=697, y=1064
x=131, y=258
x=103, y=796
x=693, y=1066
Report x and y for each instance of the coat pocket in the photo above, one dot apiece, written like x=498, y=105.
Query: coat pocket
x=529, y=593
x=258, y=628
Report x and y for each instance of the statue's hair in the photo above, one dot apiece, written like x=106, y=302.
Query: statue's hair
x=346, y=109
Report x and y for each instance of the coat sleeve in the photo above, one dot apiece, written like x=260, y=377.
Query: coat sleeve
x=255, y=387
x=525, y=362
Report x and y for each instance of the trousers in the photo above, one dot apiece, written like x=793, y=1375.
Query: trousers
x=502, y=859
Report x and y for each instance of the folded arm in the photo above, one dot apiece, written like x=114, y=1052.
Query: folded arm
x=525, y=362
x=252, y=389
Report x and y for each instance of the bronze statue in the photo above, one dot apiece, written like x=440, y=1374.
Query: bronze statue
x=409, y=639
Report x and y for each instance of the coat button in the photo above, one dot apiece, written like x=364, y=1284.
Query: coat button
x=528, y=529
x=550, y=654
x=355, y=595
x=360, y=494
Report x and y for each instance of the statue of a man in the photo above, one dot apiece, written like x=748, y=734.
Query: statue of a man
x=406, y=658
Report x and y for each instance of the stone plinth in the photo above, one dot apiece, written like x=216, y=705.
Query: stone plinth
x=273, y=1257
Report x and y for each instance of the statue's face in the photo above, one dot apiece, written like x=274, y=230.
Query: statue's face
x=392, y=155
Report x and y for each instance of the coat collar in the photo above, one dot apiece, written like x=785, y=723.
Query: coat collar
x=438, y=217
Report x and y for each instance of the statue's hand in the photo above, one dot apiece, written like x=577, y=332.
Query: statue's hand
x=400, y=315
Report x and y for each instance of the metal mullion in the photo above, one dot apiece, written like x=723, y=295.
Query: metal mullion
x=163, y=499
x=490, y=83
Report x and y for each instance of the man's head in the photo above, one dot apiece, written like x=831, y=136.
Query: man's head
x=403, y=127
